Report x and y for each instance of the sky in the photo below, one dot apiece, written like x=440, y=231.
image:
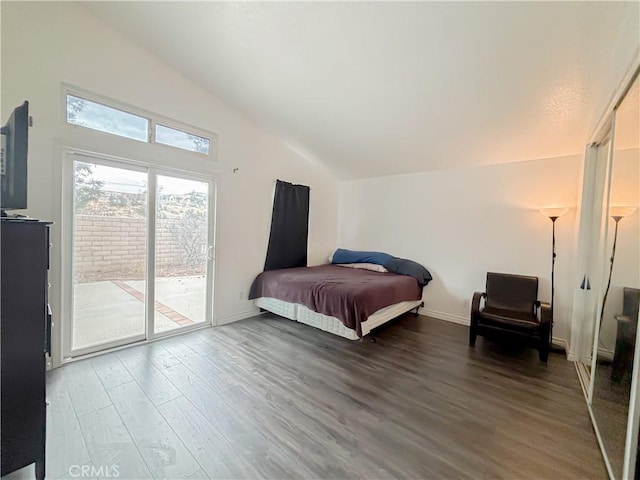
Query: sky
x=127, y=181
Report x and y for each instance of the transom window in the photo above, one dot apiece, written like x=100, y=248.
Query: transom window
x=180, y=139
x=104, y=118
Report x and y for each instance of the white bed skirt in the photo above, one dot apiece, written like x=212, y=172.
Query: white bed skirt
x=302, y=314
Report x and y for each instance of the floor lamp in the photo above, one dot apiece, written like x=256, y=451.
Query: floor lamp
x=553, y=214
x=617, y=214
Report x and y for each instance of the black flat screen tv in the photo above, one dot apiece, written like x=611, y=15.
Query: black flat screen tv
x=13, y=168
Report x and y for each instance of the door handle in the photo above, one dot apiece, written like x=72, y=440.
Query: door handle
x=210, y=253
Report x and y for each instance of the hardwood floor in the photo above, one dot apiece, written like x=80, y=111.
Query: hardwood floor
x=267, y=397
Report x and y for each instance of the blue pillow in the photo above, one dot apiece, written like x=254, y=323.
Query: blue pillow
x=351, y=256
x=402, y=266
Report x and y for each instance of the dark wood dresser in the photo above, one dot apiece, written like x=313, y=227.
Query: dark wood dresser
x=25, y=327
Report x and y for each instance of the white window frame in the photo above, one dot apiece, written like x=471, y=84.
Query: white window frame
x=153, y=118
x=154, y=124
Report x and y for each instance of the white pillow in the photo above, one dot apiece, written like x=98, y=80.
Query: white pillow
x=374, y=267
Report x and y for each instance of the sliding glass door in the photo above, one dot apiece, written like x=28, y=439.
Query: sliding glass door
x=182, y=252
x=109, y=253
x=140, y=243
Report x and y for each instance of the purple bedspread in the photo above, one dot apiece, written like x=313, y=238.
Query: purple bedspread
x=349, y=294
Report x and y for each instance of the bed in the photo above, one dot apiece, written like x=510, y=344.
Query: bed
x=349, y=302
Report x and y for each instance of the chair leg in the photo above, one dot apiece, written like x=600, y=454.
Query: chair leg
x=543, y=353
x=544, y=346
x=472, y=335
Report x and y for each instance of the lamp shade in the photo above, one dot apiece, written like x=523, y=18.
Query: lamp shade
x=554, y=212
x=621, y=212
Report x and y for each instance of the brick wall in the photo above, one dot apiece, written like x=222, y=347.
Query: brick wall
x=107, y=248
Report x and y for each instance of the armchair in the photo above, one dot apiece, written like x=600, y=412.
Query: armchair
x=626, y=333
x=511, y=306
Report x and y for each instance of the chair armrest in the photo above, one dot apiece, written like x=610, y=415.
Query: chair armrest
x=475, y=303
x=536, y=307
x=545, y=313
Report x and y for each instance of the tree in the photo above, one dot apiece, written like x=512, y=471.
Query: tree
x=75, y=106
x=131, y=204
x=87, y=188
x=188, y=224
x=201, y=144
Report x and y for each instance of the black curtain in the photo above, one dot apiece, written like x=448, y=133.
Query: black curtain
x=289, y=227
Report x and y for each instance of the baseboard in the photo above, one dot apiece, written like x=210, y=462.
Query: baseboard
x=560, y=343
x=238, y=316
x=605, y=354
x=584, y=377
x=448, y=317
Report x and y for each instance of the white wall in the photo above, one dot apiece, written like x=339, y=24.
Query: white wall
x=45, y=44
x=461, y=223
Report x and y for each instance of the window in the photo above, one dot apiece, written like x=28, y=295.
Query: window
x=142, y=126
x=180, y=139
x=106, y=119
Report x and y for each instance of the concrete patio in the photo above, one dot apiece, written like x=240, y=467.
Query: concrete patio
x=111, y=310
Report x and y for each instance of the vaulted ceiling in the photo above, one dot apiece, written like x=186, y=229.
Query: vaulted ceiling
x=381, y=88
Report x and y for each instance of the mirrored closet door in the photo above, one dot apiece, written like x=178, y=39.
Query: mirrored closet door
x=617, y=328
x=609, y=302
